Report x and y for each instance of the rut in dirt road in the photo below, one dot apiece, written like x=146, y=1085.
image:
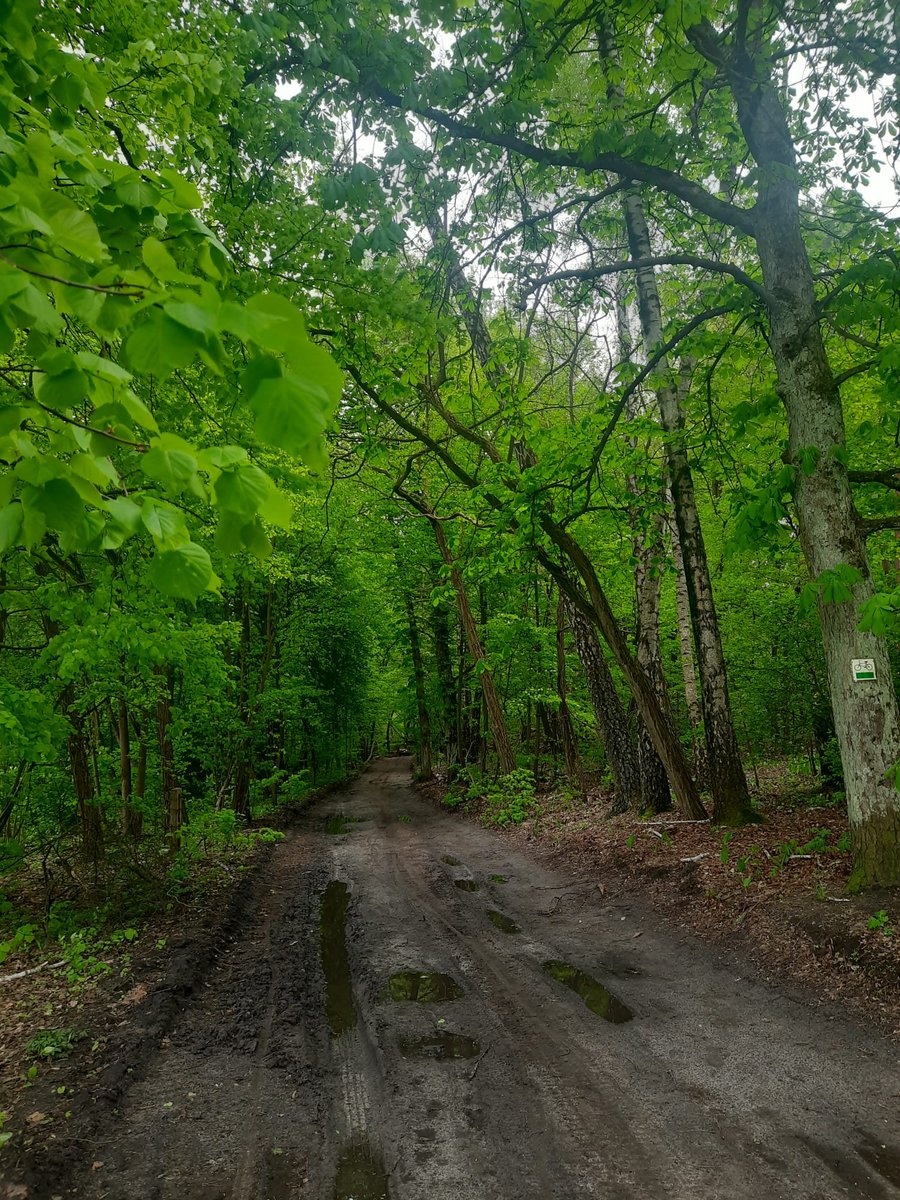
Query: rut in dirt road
x=380, y=1031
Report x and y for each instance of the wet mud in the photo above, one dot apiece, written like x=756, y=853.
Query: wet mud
x=597, y=997
x=304, y=1053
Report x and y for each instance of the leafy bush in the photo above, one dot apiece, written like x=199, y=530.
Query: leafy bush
x=511, y=798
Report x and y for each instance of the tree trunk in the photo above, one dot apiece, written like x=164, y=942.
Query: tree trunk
x=688, y=670
x=131, y=817
x=441, y=638
x=89, y=812
x=567, y=736
x=647, y=549
x=83, y=779
x=609, y=713
x=866, y=717
x=140, y=786
x=727, y=783
x=240, y=799
x=423, y=732
x=597, y=607
x=648, y=705
x=493, y=709
x=174, y=811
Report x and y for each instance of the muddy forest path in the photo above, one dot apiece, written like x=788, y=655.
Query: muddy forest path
x=418, y=1011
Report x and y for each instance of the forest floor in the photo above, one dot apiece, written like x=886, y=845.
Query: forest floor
x=399, y=1003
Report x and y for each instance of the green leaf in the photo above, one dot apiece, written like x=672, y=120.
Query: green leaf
x=10, y=526
x=277, y=509
x=193, y=316
x=242, y=489
x=164, y=523
x=161, y=262
x=289, y=415
x=160, y=345
x=125, y=513
x=75, y=231
x=170, y=462
x=183, y=573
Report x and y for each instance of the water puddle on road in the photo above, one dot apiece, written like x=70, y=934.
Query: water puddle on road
x=440, y=1045
x=429, y=987
x=337, y=823
x=598, y=998
x=360, y=1174
x=467, y=885
x=507, y=924
x=339, y=1007
x=450, y=860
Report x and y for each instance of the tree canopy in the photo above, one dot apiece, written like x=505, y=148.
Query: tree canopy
x=514, y=382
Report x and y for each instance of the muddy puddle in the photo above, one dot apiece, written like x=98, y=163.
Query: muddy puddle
x=360, y=1174
x=431, y=987
x=442, y=1044
x=598, y=998
x=339, y=1007
x=507, y=924
x=467, y=885
x=337, y=823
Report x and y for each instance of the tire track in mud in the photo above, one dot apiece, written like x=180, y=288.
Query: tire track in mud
x=319, y=1060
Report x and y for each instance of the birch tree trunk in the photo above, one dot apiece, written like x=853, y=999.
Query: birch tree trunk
x=727, y=783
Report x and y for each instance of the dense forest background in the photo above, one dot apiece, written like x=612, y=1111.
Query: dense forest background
x=517, y=384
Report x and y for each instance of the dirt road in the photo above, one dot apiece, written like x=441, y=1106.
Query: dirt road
x=420, y=1012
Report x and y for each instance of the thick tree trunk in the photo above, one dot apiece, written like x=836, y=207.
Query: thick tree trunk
x=609, y=713
x=423, y=732
x=727, y=783
x=866, y=716
x=494, y=710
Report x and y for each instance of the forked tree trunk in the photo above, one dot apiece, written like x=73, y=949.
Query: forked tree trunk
x=609, y=713
x=866, y=717
x=423, y=731
x=727, y=783
x=493, y=709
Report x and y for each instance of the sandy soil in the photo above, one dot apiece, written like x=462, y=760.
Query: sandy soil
x=290, y=1067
